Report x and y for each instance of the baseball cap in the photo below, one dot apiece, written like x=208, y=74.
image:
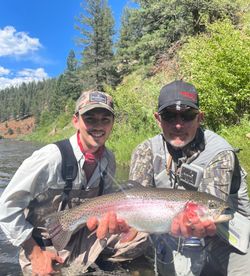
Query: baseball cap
x=94, y=99
x=179, y=94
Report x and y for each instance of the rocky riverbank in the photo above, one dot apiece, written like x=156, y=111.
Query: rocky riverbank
x=13, y=129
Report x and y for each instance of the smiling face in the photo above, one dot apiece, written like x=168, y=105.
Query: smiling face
x=94, y=127
x=179, y=126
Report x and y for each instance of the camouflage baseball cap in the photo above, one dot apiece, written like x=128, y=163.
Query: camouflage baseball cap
x=94, y=99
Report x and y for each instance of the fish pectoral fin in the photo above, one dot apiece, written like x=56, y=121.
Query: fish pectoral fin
x=129, y=235
x=59, y=236
x=223, y=218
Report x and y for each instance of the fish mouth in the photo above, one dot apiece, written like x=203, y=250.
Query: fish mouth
x=223, y=218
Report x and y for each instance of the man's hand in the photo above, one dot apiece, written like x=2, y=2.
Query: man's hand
x=110, y=224
x=41, y=260
x=188, y=224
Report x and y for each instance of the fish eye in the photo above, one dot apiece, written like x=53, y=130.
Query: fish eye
x=212, y=205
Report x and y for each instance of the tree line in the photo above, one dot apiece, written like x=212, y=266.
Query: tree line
x=151, y=34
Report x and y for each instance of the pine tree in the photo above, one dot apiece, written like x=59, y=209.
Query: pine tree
x=68, y=86
x=97, y=30
x=151, y=29
x=71, y=77
x=130, y=33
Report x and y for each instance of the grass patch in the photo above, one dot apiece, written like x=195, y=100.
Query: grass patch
x=236, y=136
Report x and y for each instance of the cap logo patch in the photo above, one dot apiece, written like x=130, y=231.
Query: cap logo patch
x=189, y=95
x=98, y=97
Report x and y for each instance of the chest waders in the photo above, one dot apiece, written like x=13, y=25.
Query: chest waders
x=69, y=170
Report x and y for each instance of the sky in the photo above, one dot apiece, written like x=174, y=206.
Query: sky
x=36, y=37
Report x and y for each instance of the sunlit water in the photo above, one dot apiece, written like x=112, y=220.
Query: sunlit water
x=12, y=153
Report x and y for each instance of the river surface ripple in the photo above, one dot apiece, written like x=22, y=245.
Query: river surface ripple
x=12, y=154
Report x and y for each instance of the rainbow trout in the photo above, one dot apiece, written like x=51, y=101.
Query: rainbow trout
x=148, y=210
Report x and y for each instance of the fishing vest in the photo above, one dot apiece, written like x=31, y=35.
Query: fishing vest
x=214, y=144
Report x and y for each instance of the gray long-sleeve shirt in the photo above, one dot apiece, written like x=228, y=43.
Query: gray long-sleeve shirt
x=36, y=188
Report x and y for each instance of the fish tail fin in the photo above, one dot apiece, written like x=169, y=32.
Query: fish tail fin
x=58, y=235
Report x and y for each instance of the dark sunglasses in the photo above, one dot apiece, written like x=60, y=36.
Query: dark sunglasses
x=186, y=116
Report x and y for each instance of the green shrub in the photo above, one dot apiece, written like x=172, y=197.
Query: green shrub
x=237, y=137
x=45, y=119
x=218, y=65
x=10, y=131
x=135, y=103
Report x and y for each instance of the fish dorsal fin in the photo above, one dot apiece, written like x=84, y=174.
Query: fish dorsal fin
x=130, y=184
x=78, y=201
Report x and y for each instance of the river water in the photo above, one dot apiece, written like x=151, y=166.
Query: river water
x=12, y=153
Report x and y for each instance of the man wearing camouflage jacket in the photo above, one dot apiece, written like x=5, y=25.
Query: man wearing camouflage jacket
x=184, y=156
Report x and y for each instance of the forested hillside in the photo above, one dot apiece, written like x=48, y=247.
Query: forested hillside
x=25, y=100
x=205, y=42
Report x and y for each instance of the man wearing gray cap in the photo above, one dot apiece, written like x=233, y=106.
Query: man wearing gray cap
x=39, y=189
x=185, y=156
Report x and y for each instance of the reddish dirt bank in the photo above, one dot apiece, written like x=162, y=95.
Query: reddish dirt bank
x=17, y=128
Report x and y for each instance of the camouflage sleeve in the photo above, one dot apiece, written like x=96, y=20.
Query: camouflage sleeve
x=141, y=166
x=218, y=175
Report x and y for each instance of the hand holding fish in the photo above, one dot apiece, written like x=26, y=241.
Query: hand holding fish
x=188, y=224
x=42, y=263
x=110, y=224
x=147, y=210
x=41, y=260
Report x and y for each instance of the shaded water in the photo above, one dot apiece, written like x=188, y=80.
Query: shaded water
x=12, y=153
